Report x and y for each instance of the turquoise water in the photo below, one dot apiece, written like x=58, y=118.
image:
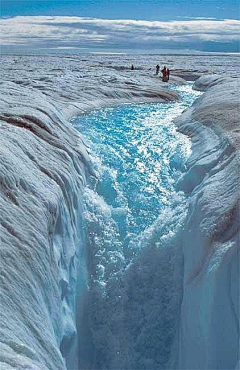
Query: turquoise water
x=138, y=156
x=133, y=217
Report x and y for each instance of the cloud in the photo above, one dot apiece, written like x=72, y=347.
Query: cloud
x=203, y=18
x=63, y=32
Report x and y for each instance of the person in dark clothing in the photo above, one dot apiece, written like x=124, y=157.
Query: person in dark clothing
x=157, y=69
x=132, y=67
x=168, y=74
x=164, y=74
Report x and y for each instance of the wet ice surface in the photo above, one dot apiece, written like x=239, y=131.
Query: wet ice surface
x=132, y=214
x=76, y=83
x=55, y=66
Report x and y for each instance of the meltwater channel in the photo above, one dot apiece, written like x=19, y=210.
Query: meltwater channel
x=134, y=218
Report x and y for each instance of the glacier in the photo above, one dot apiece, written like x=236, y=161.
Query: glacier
x=44, y=167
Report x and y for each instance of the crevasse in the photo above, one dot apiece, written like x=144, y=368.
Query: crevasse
x=43, y=169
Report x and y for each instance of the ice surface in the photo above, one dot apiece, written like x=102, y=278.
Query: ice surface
x=43, y=168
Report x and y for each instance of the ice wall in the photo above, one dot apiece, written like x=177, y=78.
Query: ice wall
x=209, y=329
x=41, y=177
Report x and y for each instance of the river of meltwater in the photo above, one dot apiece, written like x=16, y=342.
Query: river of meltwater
x=133, y=222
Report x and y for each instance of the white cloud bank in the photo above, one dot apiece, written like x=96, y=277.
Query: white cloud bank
x=62, y=32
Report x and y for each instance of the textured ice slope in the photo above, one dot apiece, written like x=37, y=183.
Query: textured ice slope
x=209, y=332
x=41, y=176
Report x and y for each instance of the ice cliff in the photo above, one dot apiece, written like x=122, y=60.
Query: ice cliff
x=43, y=168
x=209, y=323
x=42, y=171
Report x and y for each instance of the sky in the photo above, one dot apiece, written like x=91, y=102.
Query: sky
x=120, y=26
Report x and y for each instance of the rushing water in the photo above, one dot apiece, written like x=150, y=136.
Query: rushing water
x=133, y=219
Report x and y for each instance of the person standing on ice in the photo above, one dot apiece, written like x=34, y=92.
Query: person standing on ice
x=157, y=69
x=164, y=74
x=132, y=67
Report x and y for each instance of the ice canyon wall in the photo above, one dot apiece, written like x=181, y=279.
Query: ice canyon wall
x=209, y=328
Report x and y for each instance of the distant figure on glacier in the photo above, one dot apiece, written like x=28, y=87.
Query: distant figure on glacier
x=164, y=74
x=157, y=69
x=168, y=74
x=132, y=67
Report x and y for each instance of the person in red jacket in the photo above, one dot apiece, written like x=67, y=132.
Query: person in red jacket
x=164, y=74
